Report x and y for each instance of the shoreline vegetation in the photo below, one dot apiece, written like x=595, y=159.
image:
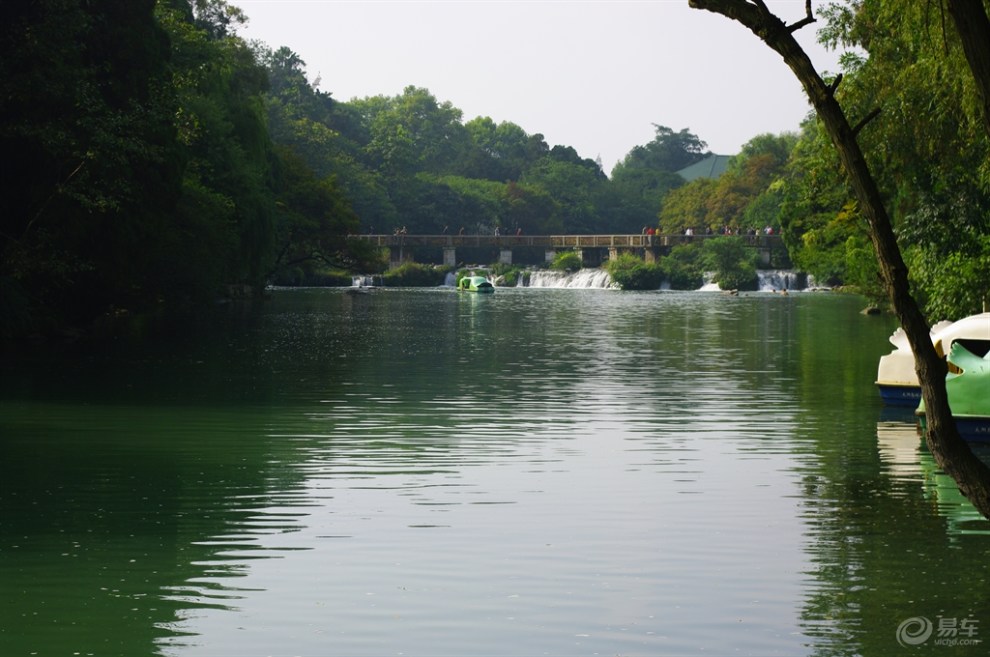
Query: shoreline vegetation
x=159, y=162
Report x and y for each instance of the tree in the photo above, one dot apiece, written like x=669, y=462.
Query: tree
x=687, y=207
x=573, y=186
x=970, y=19
x=930, y=153
x=640, y=194
x=745, y=196
x=93, y=166
x=647, y=174
x=227, y=206
x=949, y=450
x=668, y=151
x=500, y=151
x=313, y=217
x=733, y=263
x=326, y=135
x=415, y=133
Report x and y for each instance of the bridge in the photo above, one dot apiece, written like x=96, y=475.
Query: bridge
x=591, y=248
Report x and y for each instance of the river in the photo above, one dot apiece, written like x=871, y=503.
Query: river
x=432, y=473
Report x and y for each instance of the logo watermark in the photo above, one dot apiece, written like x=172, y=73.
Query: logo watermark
x=946, y=631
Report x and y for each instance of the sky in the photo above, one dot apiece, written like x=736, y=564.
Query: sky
x=595, y=75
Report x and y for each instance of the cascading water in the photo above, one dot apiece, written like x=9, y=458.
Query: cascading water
x=363, y=281
x=585, y=278
x=781, y=279
x=769, y=280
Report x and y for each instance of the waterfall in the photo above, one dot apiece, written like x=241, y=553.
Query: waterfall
x=781, y=279
x=363, y=281
x=585, y=278
x=593, y=278
x=769, y=280
x=707, y=284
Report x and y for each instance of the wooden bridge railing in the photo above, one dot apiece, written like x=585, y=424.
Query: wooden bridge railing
x=554, y=241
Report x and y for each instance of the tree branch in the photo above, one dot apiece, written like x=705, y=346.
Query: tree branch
x=807, y=20
x=973, y=26
x=835, y=84
x=951, y=453
x=866, y=119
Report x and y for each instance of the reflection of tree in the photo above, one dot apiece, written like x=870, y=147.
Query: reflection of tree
x=883, y=538
x=948, y=448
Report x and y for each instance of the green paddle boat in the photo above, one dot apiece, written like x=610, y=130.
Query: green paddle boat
x=475, y=284
x=968, y=390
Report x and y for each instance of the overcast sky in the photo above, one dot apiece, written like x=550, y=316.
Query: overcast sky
x=595, y=75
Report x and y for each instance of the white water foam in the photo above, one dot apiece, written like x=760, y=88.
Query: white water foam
x=585, y=278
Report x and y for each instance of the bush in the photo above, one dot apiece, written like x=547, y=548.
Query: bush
x=568, y=261
x=306, y=277
x=510, y=274
x=681, y=268
x=411, y=274
x=741, y=277
x=631, y=273
x=733, y=264
x=955, y=285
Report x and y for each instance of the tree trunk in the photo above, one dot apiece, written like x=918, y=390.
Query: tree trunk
x=973, y=27
x=950, y=451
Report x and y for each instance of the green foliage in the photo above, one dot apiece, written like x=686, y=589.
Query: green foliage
x=646, y=176
x=160, y=158
x=225, y=141
x=573, y=186
x=500, y=152
x=927, y=149
x=568, y=261
x=747, y=197
x=311, y=277
x=414, y=132
x=732, y=263
x=863, y=271
x=687, y=207
x=313, y=216
x=87, y=119
x=632, y=273
x=669, y=151
x=954, y=286
x=509, y=275
x=681, y=268
x=412, y=274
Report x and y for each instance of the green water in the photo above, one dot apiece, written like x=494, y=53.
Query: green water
x=536, y=472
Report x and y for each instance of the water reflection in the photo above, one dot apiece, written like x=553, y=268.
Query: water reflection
x=547, y=471
x=909, y=464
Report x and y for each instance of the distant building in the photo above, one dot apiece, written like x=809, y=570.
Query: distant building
x=712, y=166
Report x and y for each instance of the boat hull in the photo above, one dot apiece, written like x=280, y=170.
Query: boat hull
x=972, y=429
x=899, y=395
x=968, y=392
x=896, y=375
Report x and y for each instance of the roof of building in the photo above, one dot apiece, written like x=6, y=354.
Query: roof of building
x=712, y=166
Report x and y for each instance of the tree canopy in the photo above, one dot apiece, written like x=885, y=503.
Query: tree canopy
x=158, y=158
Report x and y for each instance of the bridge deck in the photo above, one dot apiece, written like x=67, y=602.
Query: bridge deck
x=554, y=241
